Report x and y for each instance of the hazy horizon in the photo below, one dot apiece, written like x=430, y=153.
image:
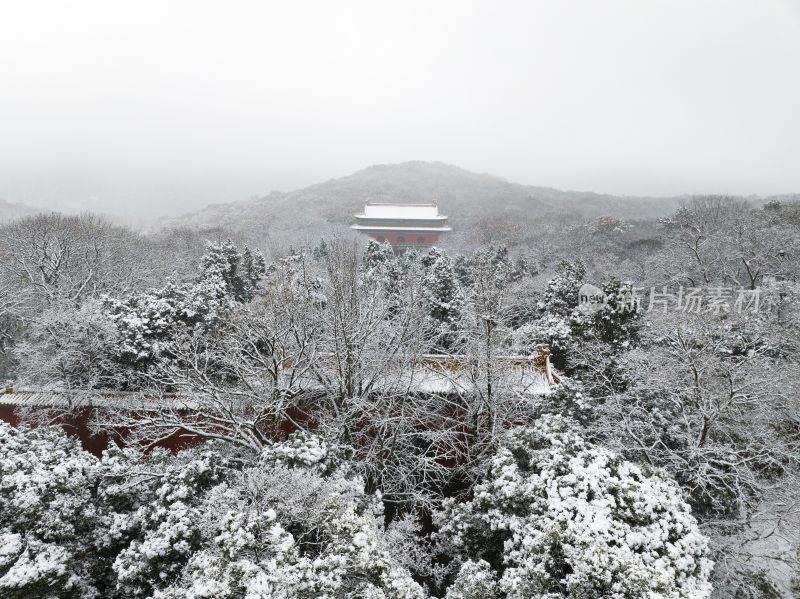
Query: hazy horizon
x=156, y=109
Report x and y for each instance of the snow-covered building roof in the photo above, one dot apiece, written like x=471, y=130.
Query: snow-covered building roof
x=44, y=398
x=402, y=211
x=433, y=373
x=402, y=218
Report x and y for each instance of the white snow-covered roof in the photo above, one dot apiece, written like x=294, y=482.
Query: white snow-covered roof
x=43, y=398
x=402, y=211
x=526, y=374
x=401, y=228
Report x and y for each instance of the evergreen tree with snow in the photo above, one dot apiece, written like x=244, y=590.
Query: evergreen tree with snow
x=445, y=298
x=557, y=517
x=148, y=321
x=463, y=271
x=618, y=321
x=432, y=255
x=241, y=272
x=561, y=295
x=320, y=250
x=377, y=255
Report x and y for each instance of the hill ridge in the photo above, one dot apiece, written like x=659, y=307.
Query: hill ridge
x=472, y=200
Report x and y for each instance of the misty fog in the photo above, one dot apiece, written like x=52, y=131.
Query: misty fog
x=148, y=109
x=448, y=299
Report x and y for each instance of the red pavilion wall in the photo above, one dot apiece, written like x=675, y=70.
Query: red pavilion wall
x=406, y=238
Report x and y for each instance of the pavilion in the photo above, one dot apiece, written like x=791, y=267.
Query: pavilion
x=402, y=225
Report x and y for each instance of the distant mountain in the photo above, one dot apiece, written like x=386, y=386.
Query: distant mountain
x=477, y=204
x=10, y=211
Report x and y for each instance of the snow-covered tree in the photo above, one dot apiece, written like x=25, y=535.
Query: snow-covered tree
x=73, y=525
x=149, y=321
x=71, y=348
x=56, y=257
x=708, y=402
x=557, y=517
x=48, y=516
x=445, y=299
x=241, y=272
x=475, y=580
x=377, y=255
x=294, y=522
x=431, y=256
x=320, y=250
x=165, y=531
x=616, y=322
x=557, y=314
x=561, y=295
x=463, y=270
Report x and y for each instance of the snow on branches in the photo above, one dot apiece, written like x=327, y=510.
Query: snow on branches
x=557, y=517
x=199, y=524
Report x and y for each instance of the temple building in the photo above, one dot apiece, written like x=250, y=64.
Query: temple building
x=402, y=225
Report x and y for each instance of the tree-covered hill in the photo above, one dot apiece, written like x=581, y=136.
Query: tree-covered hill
x=479, y=205
x=11, y=211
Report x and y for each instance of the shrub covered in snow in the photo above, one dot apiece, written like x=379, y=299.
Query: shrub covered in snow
x=48, y=515
x=300, y=450
x=556, y=517
x=163, y=526
x=475, y=580
x=285, y=528
x=72, y=525
x=199, y=524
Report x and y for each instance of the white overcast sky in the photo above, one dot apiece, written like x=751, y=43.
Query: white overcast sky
x=166, y=105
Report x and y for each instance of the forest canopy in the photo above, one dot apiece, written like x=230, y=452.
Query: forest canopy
x=373, y=423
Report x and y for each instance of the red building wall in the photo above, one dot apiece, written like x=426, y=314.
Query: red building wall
x=406, y=238
x=77, y=425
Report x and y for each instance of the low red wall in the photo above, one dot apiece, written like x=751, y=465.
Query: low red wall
x=77, y=425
